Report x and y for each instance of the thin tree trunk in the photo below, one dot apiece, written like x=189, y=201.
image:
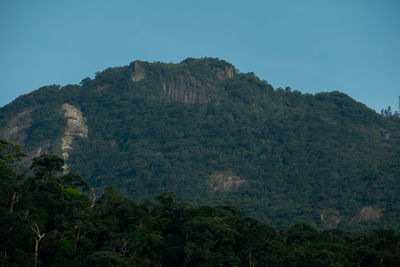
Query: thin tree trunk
x=76, y=242
x=14, y=200
x=36, y=251
x=35, y=229
x=250, y=261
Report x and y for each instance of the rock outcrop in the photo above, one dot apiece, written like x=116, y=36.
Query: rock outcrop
x=222, y=69
x=76, y=126
x=224, y=73
x=367, y=213
x=185, y=89
x=225, y=182
x=138, y=72
x=330, y=218
x=15, y=128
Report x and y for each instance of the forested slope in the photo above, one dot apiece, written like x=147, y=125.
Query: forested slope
x=48, y=218
x=214, y=135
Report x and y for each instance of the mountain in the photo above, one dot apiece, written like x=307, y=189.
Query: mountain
x=214, y=135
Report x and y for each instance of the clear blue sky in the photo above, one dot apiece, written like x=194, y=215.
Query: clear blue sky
x=348, y=45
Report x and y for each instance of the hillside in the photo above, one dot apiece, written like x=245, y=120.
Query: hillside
x=51, y=220
x=214, y=135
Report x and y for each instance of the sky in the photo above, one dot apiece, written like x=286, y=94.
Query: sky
x=352, y=46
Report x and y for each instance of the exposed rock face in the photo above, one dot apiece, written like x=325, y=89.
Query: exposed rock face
x=15, y=129
x=139, y=73
x=184, y=87
x=101, y=88
x=224, y=73
x=222, y=69
x=367, y=213
x=225, y=182
x=76, y=126
x=186, y=90
x=330, y=218
x=385, y=134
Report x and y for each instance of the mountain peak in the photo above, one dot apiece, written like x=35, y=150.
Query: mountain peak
x=190, y=81
x=221, y=68
x=214, y=135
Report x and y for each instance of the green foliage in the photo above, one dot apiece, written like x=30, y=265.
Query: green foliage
x=301, y=157
x=74, y=180
x=47, y=165
x=9, y=152
x=116, y=231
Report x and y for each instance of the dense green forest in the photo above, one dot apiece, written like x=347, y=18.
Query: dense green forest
x=52, y=218
x=215, y=136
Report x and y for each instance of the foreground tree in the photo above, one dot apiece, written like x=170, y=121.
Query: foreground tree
x=52, y=223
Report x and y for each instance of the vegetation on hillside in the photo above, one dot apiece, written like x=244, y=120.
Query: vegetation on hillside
x=50, y=218
x=296, y=157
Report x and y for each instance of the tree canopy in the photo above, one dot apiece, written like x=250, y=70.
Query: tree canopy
x=54, y=224
x=213, y=135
